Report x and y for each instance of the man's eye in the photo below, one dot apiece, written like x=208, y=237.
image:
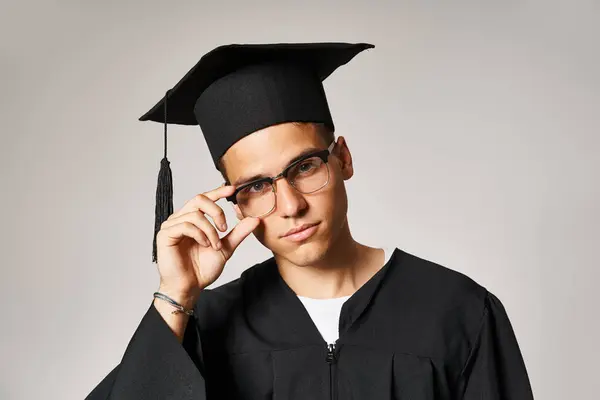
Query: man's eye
x=307, y=166
x=255, y=188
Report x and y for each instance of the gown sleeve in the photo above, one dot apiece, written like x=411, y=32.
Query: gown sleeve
x=155, y=365
x=495, y=369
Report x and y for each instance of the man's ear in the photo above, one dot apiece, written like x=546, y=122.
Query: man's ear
x=344, y=158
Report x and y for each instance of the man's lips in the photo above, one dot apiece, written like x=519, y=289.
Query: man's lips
x=299, y=229
x=303, y=234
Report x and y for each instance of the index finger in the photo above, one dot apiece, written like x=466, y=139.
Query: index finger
x=220, y=192
x=217, y=214
x=205, y=202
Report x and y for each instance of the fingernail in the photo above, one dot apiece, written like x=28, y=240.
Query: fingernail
x=219, y=245
x=224, y=226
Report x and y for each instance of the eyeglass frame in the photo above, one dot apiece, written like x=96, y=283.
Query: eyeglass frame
x=322, y=154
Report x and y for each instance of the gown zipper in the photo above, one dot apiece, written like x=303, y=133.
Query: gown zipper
x=331, y=361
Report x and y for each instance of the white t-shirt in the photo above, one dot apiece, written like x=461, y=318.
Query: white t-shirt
x=325, y=313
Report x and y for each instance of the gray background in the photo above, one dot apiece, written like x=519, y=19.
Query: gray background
x=473, y=127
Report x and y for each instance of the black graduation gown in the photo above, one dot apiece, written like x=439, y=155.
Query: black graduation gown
x=416, y=330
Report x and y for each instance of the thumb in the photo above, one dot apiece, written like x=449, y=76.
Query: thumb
x=239, y=232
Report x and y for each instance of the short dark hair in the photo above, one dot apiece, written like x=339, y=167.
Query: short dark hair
x=325, y=133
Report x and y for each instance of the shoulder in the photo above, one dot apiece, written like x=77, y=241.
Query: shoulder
x=441, y=303
x=445, y=297
x=436, y=281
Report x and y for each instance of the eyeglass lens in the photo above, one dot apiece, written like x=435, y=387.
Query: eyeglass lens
x=306, y=176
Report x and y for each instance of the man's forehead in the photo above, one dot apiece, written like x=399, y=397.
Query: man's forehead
x=268, y=151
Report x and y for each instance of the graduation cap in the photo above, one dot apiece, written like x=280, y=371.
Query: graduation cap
x=238, y=89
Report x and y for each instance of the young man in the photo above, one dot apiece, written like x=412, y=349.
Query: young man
x=326, y=317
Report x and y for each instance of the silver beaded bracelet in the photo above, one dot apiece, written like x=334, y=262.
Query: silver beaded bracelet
x=179, y=307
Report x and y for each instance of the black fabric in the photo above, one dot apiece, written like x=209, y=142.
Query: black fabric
x=257, y=97
x=416, y=330
x=237, y=89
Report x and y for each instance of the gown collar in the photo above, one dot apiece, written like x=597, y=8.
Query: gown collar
x=277, y=310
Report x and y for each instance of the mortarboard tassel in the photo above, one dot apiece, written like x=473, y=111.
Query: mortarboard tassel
x=164, y=190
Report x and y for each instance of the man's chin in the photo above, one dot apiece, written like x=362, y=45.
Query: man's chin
x=307, y=253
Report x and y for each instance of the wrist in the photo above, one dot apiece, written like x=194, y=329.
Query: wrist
x=186, y=299
x=176, y=322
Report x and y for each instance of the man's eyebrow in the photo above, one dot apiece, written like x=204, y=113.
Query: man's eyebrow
x=242, y=180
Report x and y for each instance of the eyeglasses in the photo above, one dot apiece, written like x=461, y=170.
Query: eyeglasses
x=306, y=175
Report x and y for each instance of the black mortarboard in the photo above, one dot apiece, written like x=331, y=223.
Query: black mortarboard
x=237, y=89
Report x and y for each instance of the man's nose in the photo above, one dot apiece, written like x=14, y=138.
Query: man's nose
x=289, y=201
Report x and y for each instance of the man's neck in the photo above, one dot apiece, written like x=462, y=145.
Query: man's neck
x=342, y=270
